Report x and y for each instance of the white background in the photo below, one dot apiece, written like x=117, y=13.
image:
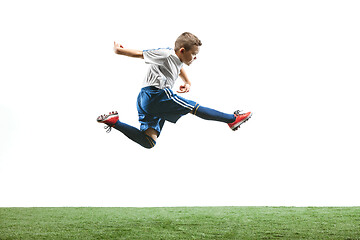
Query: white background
x=295, y=64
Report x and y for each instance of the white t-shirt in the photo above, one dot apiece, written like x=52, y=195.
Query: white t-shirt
x=164, y=68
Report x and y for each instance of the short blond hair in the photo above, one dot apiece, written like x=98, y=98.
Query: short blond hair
x=187, y=40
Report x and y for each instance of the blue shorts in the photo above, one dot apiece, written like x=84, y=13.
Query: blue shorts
x=157, y=105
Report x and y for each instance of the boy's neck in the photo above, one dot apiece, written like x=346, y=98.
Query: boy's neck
x=178, y=55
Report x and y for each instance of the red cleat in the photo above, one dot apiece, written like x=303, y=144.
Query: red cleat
x=240, y=119
x=109, y=119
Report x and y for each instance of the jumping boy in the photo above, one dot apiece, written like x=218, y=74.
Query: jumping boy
x=156, y=101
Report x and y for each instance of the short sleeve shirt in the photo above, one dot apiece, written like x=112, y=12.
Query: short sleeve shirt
x=164, y=68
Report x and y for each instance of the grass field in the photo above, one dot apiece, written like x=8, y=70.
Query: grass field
x=181, y=223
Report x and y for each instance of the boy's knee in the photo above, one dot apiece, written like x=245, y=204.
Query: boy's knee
x=149, y=147
x=151, y=133
x=150, y=142
x=196, y=107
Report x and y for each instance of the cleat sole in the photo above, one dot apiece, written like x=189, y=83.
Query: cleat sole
x=105, y=117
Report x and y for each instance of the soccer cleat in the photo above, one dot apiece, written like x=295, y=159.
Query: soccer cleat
x=109, y=119
x=240, y=119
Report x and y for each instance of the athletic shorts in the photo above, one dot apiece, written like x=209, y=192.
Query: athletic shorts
x=157, y=105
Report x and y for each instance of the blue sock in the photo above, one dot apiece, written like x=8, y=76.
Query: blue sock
x=135, y=134
x=211, y=114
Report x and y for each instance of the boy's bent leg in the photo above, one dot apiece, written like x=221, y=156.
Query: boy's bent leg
x=135, y=134
x=145, y=138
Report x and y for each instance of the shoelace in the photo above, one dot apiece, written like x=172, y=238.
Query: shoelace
x=238, y=112
x=108, y=128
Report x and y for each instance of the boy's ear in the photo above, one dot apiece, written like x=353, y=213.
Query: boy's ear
x=182, y=50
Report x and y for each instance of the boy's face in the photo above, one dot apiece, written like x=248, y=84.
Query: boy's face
x=188, y=56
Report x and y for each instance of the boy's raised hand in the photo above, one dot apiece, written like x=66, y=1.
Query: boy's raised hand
x=184, y=88
x=119, y=49
x=117, y=45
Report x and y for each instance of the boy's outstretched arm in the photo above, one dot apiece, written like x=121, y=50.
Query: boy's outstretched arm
x=187, y=84
x=119, y=49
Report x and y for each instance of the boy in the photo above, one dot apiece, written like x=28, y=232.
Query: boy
x=156, y=102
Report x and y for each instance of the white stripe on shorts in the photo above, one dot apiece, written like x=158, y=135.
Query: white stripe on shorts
x=185, y=103
x=178, y=101
x=167, y=94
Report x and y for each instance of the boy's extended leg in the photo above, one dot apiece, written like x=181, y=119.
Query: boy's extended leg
x=211, y=114
x=112, y=120
x=233, y=120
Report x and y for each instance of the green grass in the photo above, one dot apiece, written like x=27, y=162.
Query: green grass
x=181, y=223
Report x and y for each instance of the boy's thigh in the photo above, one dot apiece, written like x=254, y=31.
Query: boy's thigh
x=156, y=106
x=150, y=122
x=171, y=106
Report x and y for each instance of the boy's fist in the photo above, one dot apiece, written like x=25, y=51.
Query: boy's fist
x=184, y=88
